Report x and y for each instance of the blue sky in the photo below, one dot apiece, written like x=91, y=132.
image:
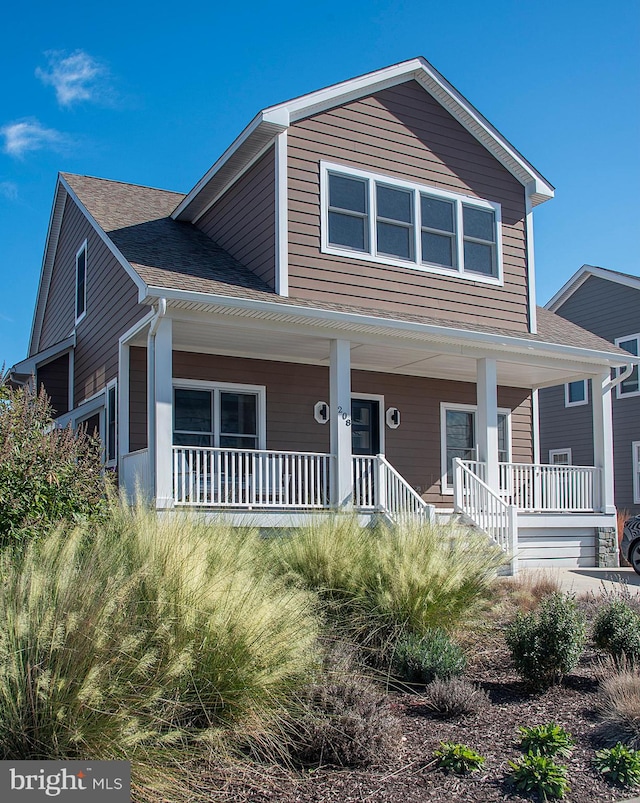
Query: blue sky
x=153, y=93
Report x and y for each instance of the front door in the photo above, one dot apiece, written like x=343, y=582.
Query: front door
x=365, y=426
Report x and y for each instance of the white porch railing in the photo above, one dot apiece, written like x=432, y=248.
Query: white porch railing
x=244, y=478
x=484, y=507
x=135, y=474
x=541, y=488
x=378, y=486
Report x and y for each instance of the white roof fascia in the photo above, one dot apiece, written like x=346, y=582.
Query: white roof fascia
x=581, y=276
x=51, y=245
x=29, y=365
x=462, y=336
x=133, y=275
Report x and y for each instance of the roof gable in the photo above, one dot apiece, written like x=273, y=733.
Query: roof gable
x=276, y=119
x=582, y=275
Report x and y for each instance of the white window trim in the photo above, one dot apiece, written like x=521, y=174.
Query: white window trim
x=445, y=488
x=620, y=394
x=635, y=457
x=110, y=463
x=413, y=264
x=554, y=452
x=259, y=390
x=82, y=248
x=568, y=403
x=381, y=413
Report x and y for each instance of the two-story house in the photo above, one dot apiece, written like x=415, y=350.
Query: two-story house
x=606, y=303
x=340, y=314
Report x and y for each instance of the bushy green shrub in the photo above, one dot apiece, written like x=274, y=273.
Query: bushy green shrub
x=617, y=631
x=619, y=765
x=546, y=740
x=458, y=758
x=46, y=474
x=378, y=584
x=541, y=775
x=144, y=634
x=454, y=698
x=423, y=658
x=547, y=643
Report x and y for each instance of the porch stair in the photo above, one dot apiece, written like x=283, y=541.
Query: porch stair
x=379, y=487
x=485, y=510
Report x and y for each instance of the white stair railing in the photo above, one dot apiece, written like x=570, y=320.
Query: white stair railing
x=485, y=508
x=378, y=486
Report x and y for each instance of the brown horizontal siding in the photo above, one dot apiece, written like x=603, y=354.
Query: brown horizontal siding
x=292, y=390
x=54, y=378
x=137, y=398
x=402, y=132
x=243, y=220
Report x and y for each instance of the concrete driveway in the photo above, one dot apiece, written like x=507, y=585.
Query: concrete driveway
x=581, y=581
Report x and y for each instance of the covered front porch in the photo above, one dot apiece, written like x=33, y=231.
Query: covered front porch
x=305, y=377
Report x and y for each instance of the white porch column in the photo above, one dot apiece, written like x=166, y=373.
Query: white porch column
x=487, y=419
x=603, y=438
x=160, y=410
x=340, y=421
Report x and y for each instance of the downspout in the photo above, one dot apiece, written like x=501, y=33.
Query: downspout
x=613, y=383
x=151, y=389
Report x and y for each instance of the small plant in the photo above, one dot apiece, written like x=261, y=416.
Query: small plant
x=546, y=740
x=619, y=765
x=618, y=707
x=455, y=697
x=422, y=659
x=546, y=644
x=617, y=631
x=539, y=774
x=458, y=758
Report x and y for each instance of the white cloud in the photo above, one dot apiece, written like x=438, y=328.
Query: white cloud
x=9, y=190
x=75, y=77
x=22, y=136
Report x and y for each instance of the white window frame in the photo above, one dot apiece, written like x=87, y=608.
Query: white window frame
x=568, y=403
x=111, y=386
x=555, y=452
x=370, y=255
x=635, y=459
x=445, y=488
x=83, y=248
x=228, y=387
x=620, y=394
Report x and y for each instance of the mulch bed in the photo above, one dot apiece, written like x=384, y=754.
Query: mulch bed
x=410, y=776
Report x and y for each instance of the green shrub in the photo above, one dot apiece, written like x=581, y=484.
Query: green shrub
x=619, y=765
x=547, y=643
x=378, y=584
x=455, y=697
x=458, y=758
x=46, y=474
x=546, y=740
x=541, y=775
x=422, y=659
x=617, y=631
x=146, y=634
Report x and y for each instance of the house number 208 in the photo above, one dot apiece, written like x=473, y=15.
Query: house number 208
x=345, y=416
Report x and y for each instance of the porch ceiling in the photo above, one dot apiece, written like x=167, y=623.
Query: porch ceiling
x=248, y=338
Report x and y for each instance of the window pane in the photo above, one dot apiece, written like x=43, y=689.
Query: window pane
x=503, y=452
x=478, y=223
x=436, y=214
x=560, y=459
x=394, y=204
x=630, y=384
x=111, y=424
x=394, y=240
x=478, y=258
x=184, y=439
x=238, y=414
x=630, y=345
x=437, y=249
x=192, y=411
x=577, y=392
x=238, y=442
x=348, y=193
x=81, y=271
x=460, y=438
x=347, y=230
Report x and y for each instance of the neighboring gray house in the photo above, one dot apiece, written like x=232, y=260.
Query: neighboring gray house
x=608, y=304
x=340, y=314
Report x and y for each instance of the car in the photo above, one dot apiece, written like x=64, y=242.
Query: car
x=630, y=544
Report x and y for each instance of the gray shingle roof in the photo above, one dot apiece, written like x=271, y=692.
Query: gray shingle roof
x=178, y=256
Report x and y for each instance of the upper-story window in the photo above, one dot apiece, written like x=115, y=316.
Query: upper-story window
x=81, y=282
x=395, y=222
x=631, y=385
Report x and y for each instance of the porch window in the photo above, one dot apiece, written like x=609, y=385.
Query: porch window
x=217, y=416
x=631, y=385
x=636, y=471
x=459, y=438
x=560, y=457
x=575, y=393
x=397, y=222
